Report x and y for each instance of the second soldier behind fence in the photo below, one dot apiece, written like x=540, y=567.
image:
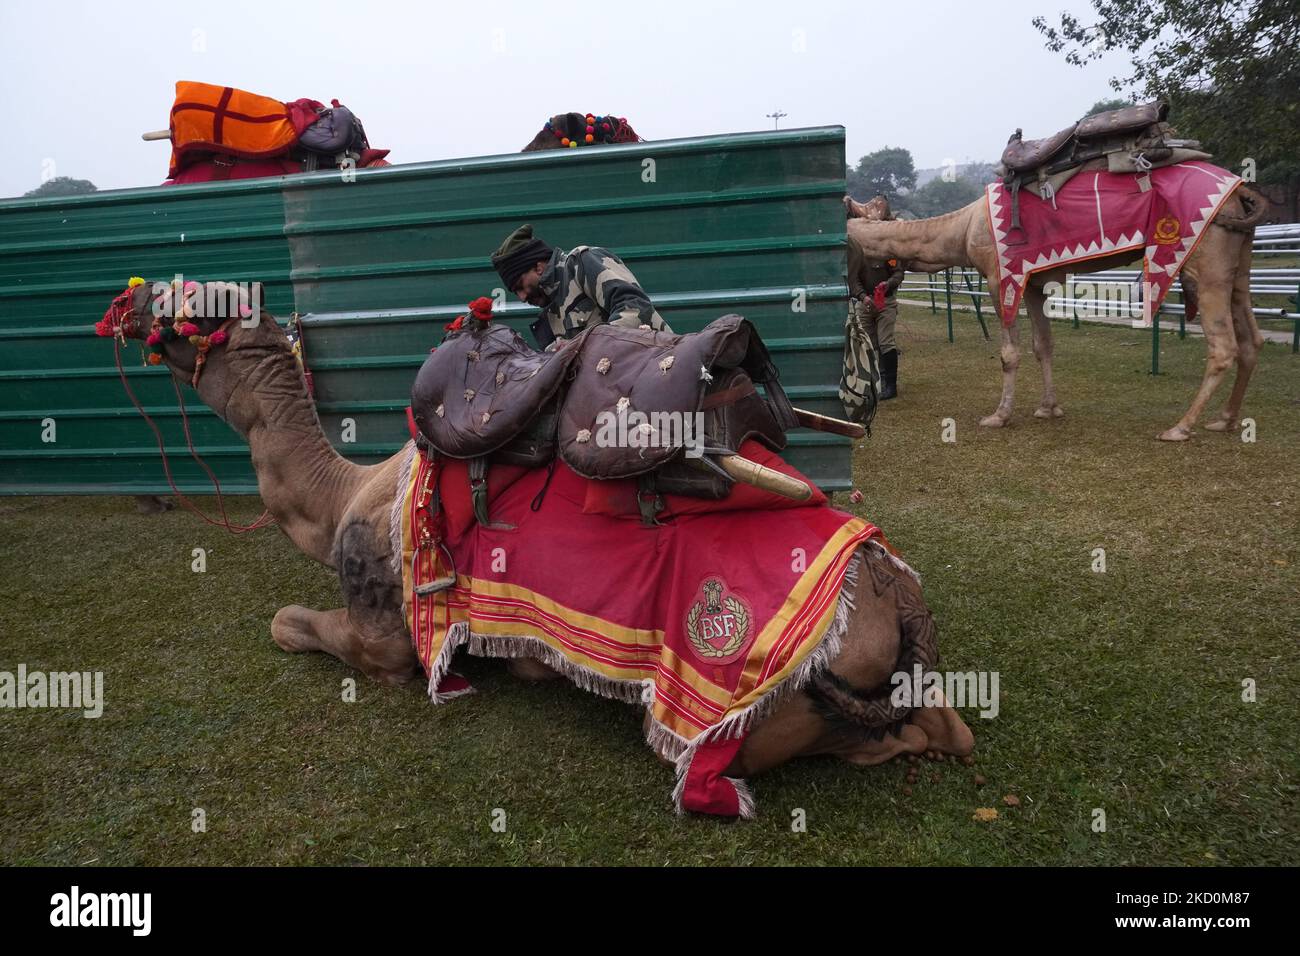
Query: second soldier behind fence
x=872, y=285
x=573, y=289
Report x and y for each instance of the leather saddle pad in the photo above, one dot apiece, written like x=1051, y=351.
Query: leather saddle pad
x=643, y=375
x=1031, y=153
x=1026, y=154
x=480, y=388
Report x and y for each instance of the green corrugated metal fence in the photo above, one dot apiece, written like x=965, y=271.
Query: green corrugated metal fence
x=710, y=225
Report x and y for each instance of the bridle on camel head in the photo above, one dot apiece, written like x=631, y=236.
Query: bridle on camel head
x=122, y=321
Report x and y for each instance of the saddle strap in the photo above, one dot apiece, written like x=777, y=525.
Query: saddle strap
x=768, y=376
x=648, y=500
x=478, y=468
x=728, y=395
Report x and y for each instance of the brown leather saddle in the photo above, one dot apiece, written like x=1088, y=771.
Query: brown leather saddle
x=1084, y=140
x=613, y=402
x=1133, y=139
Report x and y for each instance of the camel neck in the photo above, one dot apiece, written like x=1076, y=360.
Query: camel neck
x=302, y=480
x=941, y=240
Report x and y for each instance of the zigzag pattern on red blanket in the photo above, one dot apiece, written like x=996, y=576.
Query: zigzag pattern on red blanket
x=1098, y=214
x=708, y=620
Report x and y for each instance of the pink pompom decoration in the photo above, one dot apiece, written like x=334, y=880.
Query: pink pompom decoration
x=189, y=328
x=154, y=338
x=217, y=337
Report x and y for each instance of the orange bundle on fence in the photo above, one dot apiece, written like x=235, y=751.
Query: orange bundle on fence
x=209, y=119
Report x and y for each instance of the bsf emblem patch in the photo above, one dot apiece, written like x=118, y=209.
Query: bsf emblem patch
x=720, y=624
x=1168, y=231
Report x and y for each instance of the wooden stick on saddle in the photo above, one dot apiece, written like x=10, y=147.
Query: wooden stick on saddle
x=824, y=423
x=749, y=472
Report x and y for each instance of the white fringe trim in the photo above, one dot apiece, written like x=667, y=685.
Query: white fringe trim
x=491, y=645
x=895, y=560
x=662, y=741
x=395, y=512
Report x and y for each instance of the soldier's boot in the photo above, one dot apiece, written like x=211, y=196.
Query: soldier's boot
x=889, y=375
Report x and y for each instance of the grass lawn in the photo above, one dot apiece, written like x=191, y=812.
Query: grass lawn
x=1120, y=691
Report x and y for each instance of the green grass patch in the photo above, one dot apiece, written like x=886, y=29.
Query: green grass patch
x=1120, y=691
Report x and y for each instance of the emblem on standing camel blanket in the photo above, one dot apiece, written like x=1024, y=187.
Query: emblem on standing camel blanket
x=718, y=628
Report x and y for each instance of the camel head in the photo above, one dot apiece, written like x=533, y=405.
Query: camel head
x=572, y=130
x=208, y=333
x=874, y=210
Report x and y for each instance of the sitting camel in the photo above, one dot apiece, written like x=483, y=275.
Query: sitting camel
x=338, y=513
x=1218, y=267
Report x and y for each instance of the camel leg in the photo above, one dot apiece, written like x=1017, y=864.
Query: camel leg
x=1214, y=272
x=382, y=654
x=530, y=669
x=1246, y=332
x=868, y=659
x=1010, y=362
x=1035, y=302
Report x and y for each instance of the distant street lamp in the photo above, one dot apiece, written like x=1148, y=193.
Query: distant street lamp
x=776, y=118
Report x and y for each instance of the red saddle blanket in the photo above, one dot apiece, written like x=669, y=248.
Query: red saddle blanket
x=1098, y=214
x=708, y=619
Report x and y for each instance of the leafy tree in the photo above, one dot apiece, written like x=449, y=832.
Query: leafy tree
x=888, y=172
x=62, y=186
x=981, y=174
x=1228, y=67
x=1105, y=106
x=939, y=196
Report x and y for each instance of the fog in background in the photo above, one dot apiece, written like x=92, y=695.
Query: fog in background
x=948, y=80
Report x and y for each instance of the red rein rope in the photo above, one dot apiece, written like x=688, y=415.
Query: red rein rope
x=266, y=517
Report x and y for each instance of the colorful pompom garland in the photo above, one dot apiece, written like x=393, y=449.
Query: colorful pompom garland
x=599, y=130
x=480, y=310
x=119, y=321
x=112, y=322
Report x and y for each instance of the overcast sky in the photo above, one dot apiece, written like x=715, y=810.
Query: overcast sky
x=82, y=80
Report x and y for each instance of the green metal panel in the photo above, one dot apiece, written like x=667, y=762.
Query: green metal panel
x=376, y=266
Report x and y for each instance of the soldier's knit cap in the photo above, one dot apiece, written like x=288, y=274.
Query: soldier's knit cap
x=519, y=253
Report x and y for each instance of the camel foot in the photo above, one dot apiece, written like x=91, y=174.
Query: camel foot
x=291, y=632
x=946, y=731
x=1049, y=411
x=910, y=740
x=1177, y=433
x=530, y=669
x=994, y=421
x=152, y=504
x=1223, y=424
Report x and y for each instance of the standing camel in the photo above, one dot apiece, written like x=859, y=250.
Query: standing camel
x=338, y=513
x=1219, y=266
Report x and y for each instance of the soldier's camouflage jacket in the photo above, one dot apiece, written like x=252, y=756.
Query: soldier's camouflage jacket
x=590, y=284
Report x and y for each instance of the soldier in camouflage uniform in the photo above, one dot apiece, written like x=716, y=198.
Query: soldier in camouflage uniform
x=867, y=278
x=573, y=289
